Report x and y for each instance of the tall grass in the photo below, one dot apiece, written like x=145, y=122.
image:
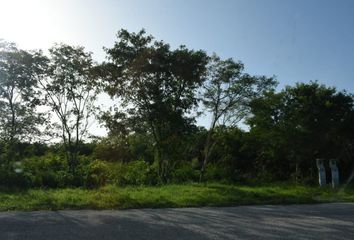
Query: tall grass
x=187, y=195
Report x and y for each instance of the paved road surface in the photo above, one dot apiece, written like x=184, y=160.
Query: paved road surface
x=324, y=221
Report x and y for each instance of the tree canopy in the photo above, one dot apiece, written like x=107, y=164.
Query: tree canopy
x=19, y=95
x=302, y=123
x=48, y=101
x=156, y=87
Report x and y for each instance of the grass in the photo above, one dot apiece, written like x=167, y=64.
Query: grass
x=188, y=195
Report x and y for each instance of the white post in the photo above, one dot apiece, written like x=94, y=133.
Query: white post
x=334, y=173
x=321, y=172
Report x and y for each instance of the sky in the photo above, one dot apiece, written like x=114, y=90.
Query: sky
x=294, y=40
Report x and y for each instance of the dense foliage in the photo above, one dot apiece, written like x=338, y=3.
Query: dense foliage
x=256, y=133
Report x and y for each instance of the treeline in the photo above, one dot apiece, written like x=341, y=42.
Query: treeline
x=48, y=101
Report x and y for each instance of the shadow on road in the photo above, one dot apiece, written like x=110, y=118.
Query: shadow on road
x=323, y=221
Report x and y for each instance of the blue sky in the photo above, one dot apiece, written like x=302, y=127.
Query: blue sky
x=295, y=40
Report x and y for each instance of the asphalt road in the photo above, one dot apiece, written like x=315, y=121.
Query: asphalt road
x=323, y=221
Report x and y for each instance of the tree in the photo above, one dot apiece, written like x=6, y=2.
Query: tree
x=19, y=96
x=227, y=94
x=157, y=88
x=70, y=91
x=300, y=124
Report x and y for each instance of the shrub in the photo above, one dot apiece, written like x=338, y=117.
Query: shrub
x=45, y=171
x=216, y=172
x=97, y=174
x=185, y=173
x=134, y=173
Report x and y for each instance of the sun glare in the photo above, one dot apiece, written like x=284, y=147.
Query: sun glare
x=28, y=23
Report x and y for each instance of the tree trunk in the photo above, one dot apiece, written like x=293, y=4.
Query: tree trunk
x=207, y=149
x=11, y=146
x=351, y=177
x=206, y=158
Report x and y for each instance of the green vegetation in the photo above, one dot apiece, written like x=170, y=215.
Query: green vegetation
x=187, y=195
x=48, y=102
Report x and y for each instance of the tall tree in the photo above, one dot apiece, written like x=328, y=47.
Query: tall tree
x=19, y=95
x=70, y=92
x=156, y=87
x=300, y=124
x=227, y=94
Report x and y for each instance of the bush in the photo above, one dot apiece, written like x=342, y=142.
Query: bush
x=46, y=171
x=185, y=173
x=133, y=173
x=97, y=174
x=216, y=172
x=52, y=171
x=10, y=178
x=137, y=173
